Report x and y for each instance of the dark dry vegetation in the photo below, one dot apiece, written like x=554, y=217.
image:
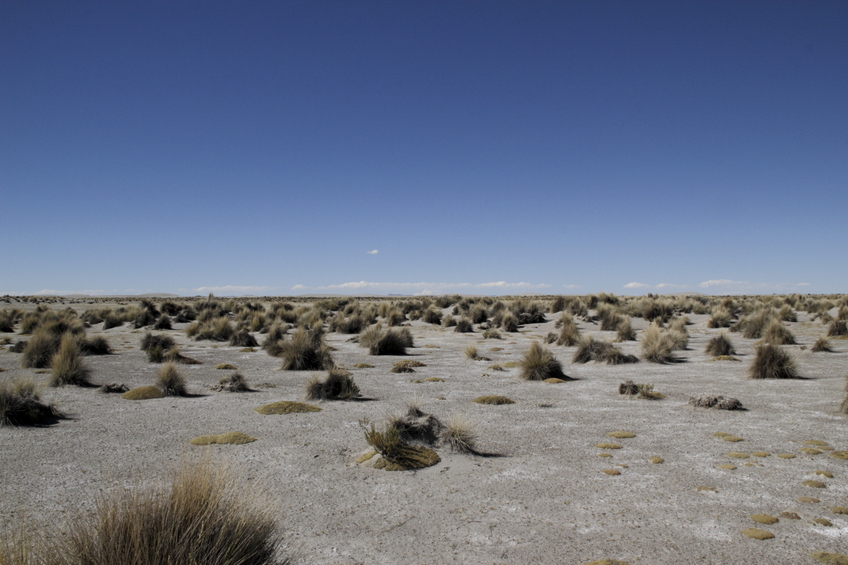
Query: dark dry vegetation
x=296, y=332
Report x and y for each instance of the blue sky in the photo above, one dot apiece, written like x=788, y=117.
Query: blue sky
x=423, y=147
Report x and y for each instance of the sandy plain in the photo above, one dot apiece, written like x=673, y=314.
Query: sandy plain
x=543, y=499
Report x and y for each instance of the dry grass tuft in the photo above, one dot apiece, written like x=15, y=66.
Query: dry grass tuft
x=396, y=454
x=720, y=346
x=67, y=367
x=771, y=362
x=778, y=334
x=459, y=435
x=242, y=338
x=591, y=349
x=234, y=383
x=234, y=438
x=539, y=364
x=658, y=345
x=170, y=381
x=494, y=400
x=822, y=344
x=305, y=351
x=206, y=516
x=338, y=385
x=20, y=405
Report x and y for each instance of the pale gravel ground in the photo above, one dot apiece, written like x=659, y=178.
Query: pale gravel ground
x=544, y=500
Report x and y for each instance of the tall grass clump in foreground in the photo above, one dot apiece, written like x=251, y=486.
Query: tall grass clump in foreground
x=843, y=408
x=67, y=367
x=771, y=362
x=20, y=405
x=392, y=342
x=205, y=517
x=778, y=334
x=338, y=385
x=539, y=364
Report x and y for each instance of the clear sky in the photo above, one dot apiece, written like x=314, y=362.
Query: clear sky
x=422, y=146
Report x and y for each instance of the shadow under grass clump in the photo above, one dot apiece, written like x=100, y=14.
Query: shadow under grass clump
x=20, y=405
x=494, y=399
x=539, y=364
x=236, y=438
x=772, y=362
x=286, y=407
x=338, y=385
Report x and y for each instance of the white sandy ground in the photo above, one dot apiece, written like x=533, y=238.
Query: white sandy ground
x=544, y=499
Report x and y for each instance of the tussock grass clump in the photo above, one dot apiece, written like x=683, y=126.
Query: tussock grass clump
x=156, y=345
x=837, y=328
x=644, y=391
x=569, y=334
x=242, y=338
x=170, y=381
x=822, y=344
x=215, y=329
x=772, y=362
x=539, y=364
x=754, y=324
x=417, y=426
x=95, y=346
x=67, y=367
x=459, y=435
x=778, y=334
x=471, y=353
x=163, y=323
x=7, y=321
x=305, y=351
x=20, y=405
x=338, y=385
x=39, y=350
x=112, y=320
x=491, y=333
x=624, y=330
x=390, y=342
x=448, y=321
x=721, y=318
x=206, y=516
x=590, y=349
x=658, y=345
x=843, y=407
x=464, y=325
x=396, y=454
x=720, y=346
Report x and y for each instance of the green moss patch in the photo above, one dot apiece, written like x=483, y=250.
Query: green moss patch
x=286, y=407
x=811, y=451
x=720, y=434
x=725, y=358
x=611, y=472
x=823, y=522
x=143, y=393
x=786, y=455
x=496, y=349
x=761, y=454
x=608, y=446
x=247, y=350
x=737, y=455
x=830, y=558
x=621, y=434
x=553, y=381
x=827, y=474
x=732, y=438
x=434, y=380
x=363, y=366
x=226, y=367
x=236, y=438
x=789, y=515
x=511, y=364
x=727, y=467
x=764, y=519
x=815, y=484
x=704, y=488
x=757, y=533
x=604, y=455
x=493, y=399
x=839, y=510
x=406, y=458
x=839, y=455
x=656, y=460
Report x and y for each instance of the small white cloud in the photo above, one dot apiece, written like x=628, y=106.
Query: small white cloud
x=636, y=285
x=803, y=284
x=721, y=282
x=430, y=287
x=373, y=252
x=571, y=286
x=299, y=287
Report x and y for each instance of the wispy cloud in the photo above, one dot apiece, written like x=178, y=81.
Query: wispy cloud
x=637, y=285
x=373, y=252
x=51, y=292
x=423, y=288
x=232, y=289
x=727, y=286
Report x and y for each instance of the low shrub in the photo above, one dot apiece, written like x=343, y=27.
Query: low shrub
x=163, y=323
x=720, y=318
x=658, y=345
x=390, y=342
x=772, y=362
x=624, y=330
x=39, y=350
x=837, y=328
x=778, y=334
x=539, y=364
x=396, y=454
x=822, y=345
x=234, y=383
x=242, y=338
x=459, y=435
x=464, y=325
x=591, y=349
x=95, y=346
x=718, y=402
